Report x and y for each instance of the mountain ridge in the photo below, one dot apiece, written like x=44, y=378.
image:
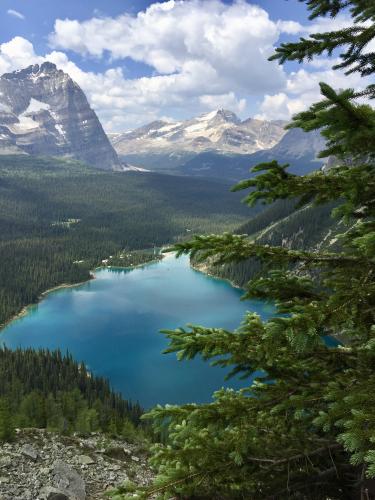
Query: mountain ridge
x=297, y=148
x=219, y=130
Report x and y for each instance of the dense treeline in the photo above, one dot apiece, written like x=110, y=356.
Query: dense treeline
x=133, y=258
x=49, y=390
x=59, y=219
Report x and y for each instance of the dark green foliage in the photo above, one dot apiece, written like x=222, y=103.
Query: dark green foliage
x=134, y=258
x=307, y=228
x=59, y=219
x=305, y=428
x=49, y=390
x=6, y=421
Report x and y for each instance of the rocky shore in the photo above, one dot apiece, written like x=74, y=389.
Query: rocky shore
x=40, y=465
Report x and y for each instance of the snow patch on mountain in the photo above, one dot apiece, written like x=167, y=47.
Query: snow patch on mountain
x=219, y=130
x=24, y=125
x=35, y=105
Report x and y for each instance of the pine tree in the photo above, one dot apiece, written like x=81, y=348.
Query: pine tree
x=305, y=428
x=129, y=432
x=32, y=411
x=87, y=421
x=6, y=424
x=54, y=417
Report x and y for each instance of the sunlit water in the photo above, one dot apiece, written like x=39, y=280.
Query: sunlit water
x=112, y=323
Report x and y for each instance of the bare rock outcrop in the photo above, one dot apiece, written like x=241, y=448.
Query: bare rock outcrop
x=41, y=465
x=44, y=112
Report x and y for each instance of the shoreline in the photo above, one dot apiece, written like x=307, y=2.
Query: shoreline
x=23, y=312
x=152, y=261
x=203, y=269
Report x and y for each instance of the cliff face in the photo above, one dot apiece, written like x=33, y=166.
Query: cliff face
x=44, y=112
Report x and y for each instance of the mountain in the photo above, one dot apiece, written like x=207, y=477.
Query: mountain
x=217, y=144
x=296, y=147
x=44, y=112
x=220, y=131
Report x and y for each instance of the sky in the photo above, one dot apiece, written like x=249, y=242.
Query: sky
x=139, y=60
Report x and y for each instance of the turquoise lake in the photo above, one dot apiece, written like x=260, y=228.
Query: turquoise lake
x=112, y=323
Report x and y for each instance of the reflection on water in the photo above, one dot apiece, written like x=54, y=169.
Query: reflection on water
x=112, y=323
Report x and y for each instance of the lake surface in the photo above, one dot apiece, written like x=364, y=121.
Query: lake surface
x=112, y=323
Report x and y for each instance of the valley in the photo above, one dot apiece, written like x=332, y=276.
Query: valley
x=187, y=250
x=76, y=205
x=111, y=212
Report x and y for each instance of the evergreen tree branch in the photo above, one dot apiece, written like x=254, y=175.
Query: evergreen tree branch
x=235, y=248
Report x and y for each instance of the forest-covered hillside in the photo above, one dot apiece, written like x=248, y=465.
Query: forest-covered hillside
x=282, y=224
x=46, y=389
x=59, y=219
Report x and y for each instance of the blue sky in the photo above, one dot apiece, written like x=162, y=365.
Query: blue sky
x=142, y=60
x=40, y=17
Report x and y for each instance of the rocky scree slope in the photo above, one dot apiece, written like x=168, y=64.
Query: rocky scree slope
x=44, y=112
x=41, y=465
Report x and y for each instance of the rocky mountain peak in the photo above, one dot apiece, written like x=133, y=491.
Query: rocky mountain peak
x=219, y=130
x=34, y=71
x=227, y=116
x=219, y=117
x=44, y=112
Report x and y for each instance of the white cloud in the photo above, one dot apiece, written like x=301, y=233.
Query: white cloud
x=17, y=53
x=302, y=90
x=15, y=13
x=290, y=27
x=275, y=107
x=204, y=54
x=319, y=25
x=323, y=24
x=232, y=41
x=226, y=101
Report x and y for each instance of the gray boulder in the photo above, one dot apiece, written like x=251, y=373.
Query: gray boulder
x=29, y=451
x=85, y=460
x=68, y=481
